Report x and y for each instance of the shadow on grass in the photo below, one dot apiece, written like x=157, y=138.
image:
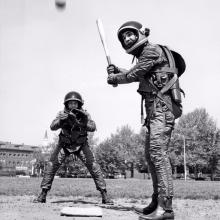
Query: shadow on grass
x=116, y=207
x=76, y=201
x=80, y=201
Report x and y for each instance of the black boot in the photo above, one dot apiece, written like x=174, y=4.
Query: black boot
x=164, y=211
x=42, y=197
x=150, y=208
x=105, y=199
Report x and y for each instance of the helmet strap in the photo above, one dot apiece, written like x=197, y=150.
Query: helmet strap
x=133, y=59
x=130, y=50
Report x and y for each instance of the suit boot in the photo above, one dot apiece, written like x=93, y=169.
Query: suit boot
x=105, y=199
x=150, y=208
x=42, y=197
x=164, y=211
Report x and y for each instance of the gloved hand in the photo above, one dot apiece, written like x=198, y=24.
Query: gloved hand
x=112, y=80
x=81, y=117
x=63, y=116
x=63, y=119
x=112, y=69
x=72, y=115
x=72, y=119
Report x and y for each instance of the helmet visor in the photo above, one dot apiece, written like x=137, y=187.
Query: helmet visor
x=128, y=37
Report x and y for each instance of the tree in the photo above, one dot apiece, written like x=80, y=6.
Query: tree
x=92, y=140
x=141, y=163
x=109, y=157
x=200, y=133
x=119, y=152
x=40, y=161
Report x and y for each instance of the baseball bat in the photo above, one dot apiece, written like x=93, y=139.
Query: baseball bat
x=103, y=39
x=104, y=42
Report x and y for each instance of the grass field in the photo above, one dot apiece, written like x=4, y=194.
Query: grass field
x=117, y=188
x=194, y=200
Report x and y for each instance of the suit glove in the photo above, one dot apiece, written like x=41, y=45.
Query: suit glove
x=81, y=117
x=112, y=69
x=63, y=116
x=112, y=80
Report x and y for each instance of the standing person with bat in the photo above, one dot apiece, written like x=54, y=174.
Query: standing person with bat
x=75, y=123
x=157, y=71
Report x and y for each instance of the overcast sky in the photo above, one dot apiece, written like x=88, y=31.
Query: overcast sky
x=45, y=53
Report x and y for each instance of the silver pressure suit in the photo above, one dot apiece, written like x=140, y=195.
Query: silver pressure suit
x=148, y=71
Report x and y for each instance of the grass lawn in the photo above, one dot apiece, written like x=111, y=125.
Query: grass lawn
x=117, y=188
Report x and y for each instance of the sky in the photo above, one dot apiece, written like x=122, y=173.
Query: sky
x=45, y=53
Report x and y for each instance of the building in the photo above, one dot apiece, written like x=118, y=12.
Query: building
x=17, y=158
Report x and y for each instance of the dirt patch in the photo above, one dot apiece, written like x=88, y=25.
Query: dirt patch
x=22, y=208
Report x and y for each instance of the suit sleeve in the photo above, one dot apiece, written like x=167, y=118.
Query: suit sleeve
x=147, y=60
x=56, y=123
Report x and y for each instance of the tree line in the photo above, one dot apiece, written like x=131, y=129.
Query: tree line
x=197, y=130
x=123, y=151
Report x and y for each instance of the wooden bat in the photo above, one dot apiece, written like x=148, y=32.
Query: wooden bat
x=104, y=43
x=103, y=39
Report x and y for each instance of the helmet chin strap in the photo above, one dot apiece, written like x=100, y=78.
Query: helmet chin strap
x=133, y=59
x=144, y=40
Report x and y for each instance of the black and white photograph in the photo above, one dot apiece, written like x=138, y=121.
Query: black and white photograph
x=109, y=110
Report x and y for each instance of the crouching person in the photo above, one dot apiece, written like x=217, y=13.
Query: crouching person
x=74, y=123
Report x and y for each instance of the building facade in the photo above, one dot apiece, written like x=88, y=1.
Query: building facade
x=17, y=158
